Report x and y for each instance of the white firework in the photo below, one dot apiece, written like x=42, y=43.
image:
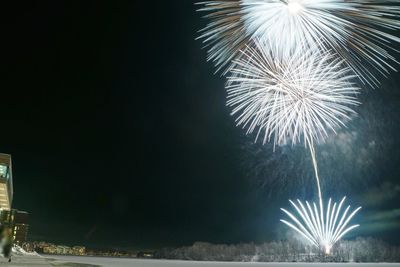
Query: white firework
x=290, y=100
x=290, y=77
x=225, y=35
x=322, y=228
x=360, y=31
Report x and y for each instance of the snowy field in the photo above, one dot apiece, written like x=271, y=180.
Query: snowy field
x=116, y=262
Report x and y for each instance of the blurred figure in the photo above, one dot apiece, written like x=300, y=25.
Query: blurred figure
x=5, y=241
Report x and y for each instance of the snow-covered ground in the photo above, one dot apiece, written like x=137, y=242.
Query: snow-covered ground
x=117, y=262
x=65, y=261
x=26, y=260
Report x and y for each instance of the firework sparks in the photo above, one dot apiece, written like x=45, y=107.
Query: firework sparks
x=321, y=228
x=360, y=31
x=290, y=65
x=224, y=35
x=290, y=100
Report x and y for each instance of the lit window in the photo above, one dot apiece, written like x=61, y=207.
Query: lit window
x=3, y=171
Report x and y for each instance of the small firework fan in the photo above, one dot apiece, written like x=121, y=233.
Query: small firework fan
x=322, y=228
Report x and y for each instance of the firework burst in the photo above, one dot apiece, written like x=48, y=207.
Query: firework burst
x=225, y=35
x=289, y=100
x=360, y=31
x=322, y=228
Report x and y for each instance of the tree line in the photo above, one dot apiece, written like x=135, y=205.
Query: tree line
x=358, y=250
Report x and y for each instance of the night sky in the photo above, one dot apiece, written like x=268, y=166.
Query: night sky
x=120, y=135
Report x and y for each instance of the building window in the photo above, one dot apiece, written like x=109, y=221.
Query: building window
x=3, y=171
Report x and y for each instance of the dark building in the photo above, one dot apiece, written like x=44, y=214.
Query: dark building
x=20, y=227
x=13, y=221
x=17, y=222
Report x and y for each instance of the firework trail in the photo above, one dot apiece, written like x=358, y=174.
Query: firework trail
x=292, y=100
x=358, y=151
x=290, y=65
